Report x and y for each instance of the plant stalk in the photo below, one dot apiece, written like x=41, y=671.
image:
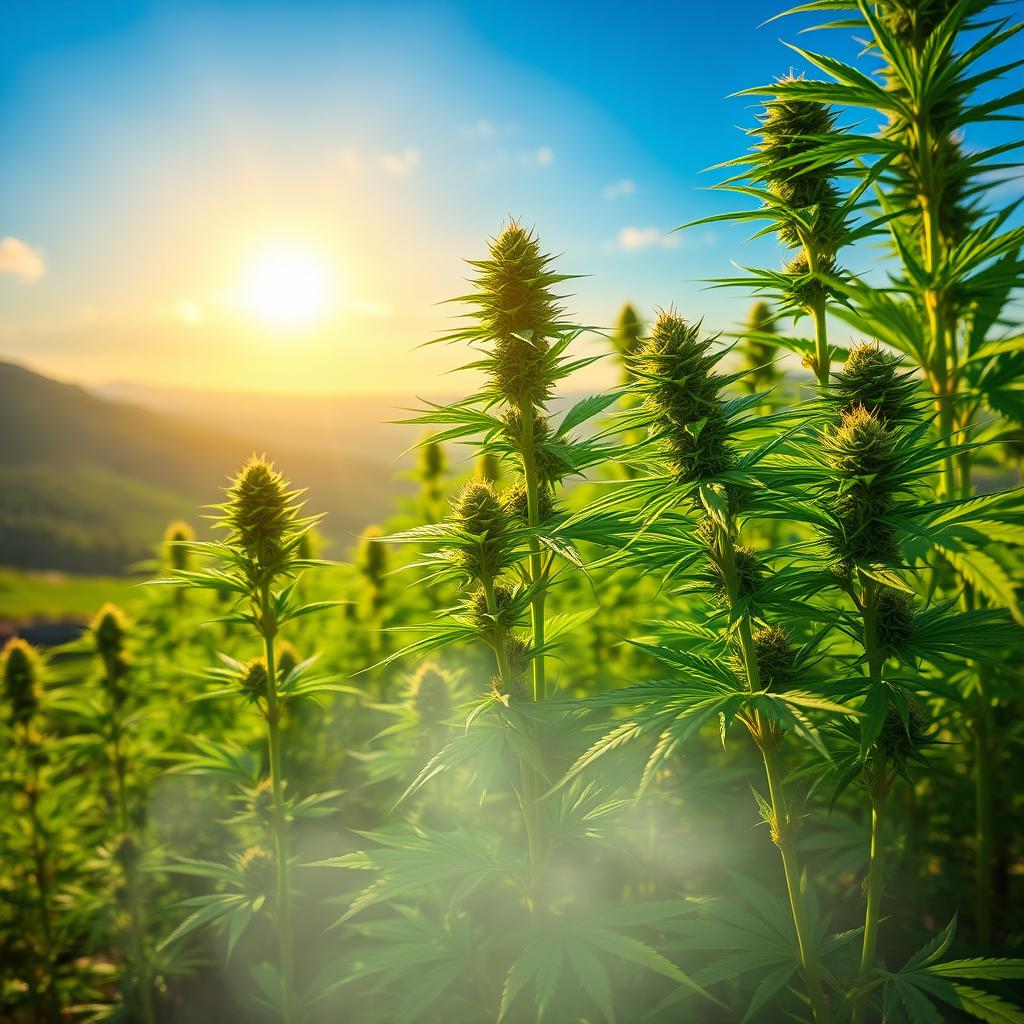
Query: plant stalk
x=280, y=813
x=876, y=886
x=783, y=833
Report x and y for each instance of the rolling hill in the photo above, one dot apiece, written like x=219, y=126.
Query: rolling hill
x=88, y=484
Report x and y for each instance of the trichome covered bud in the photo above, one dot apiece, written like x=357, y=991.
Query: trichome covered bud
x=872, y=379
x=677, y=365
x=519, y=312
x=260, y=511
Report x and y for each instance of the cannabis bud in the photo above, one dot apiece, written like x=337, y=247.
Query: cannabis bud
x=176, y=538
x=488, y=623
x=759, y=355
x=748, y=573
x=260, y=511
x=430, y=694
x=776, y=660
x=488, y=470
x=901, y=742
x=862, y=445
x=477, y=510
x=628, y=338
x=109, y=629
x=287, y=659
x=791, y=131
x=253, y=680
x=683, y=390
x=872, y=379
x=804, y=288
x=518, y=655
x=22, y=676
x=894, y=617
x=431, y=460
x=258, y=870
x=372, y=556
x=519, y=312
x=516, y=502
x=262, y=804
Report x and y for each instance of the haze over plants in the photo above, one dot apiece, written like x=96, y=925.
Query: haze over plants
x=693, y=698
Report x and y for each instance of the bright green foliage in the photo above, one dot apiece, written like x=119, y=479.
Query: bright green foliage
x=706, y=700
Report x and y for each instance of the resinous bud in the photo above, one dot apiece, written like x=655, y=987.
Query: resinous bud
x=259, y=510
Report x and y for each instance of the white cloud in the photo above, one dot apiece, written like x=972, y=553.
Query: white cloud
x=544, y=156
x=355, y=162
x=401, y=164
x=634, y=239
x=618, y=189
x=21, y=259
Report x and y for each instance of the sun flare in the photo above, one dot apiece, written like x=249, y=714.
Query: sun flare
x=288, y=287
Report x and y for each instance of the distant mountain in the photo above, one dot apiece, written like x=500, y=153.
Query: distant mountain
x=361, y=426
x=88, y=484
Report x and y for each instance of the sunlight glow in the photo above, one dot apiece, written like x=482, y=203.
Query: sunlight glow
x=288, y=287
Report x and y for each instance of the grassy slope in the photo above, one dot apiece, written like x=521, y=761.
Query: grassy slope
x=88, y=485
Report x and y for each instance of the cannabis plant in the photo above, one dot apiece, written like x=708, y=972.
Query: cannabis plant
x=258, y=565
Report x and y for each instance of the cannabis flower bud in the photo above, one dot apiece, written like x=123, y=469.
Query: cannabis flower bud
x=901, y=743
x=287, y=659
x=477, y=510
x=872, y=378
x=894, y=617
x=260, y=511
x=862, y=445
x=109, y=629
x=176, y=538
x=519, y=312
x=253, y=681
x=488, y=470
x=22, y=676
x=683, y=390
x=430, y=694
x=258, y=870
x=372, y=555
x=776, y=659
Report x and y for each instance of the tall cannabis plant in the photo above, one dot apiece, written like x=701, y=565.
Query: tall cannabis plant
x=257, y=565
x=956, y=269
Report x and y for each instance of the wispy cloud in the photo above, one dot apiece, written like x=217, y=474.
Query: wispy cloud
x=401, y=163
x=619, y=189
x=21, y=259
x=634, y=239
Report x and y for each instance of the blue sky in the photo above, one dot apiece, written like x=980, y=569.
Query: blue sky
x=151, y=149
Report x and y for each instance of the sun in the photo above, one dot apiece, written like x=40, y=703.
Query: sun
x=288, y=287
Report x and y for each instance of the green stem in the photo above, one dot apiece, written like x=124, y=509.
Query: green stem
x=142, y=986
x=791, y=869
x=280, y=820
x=782, y=831
x=983, y=782
x=526, y=413
x=527, y=773
x=876, y=886
x=42, y=891
x=822, y=356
